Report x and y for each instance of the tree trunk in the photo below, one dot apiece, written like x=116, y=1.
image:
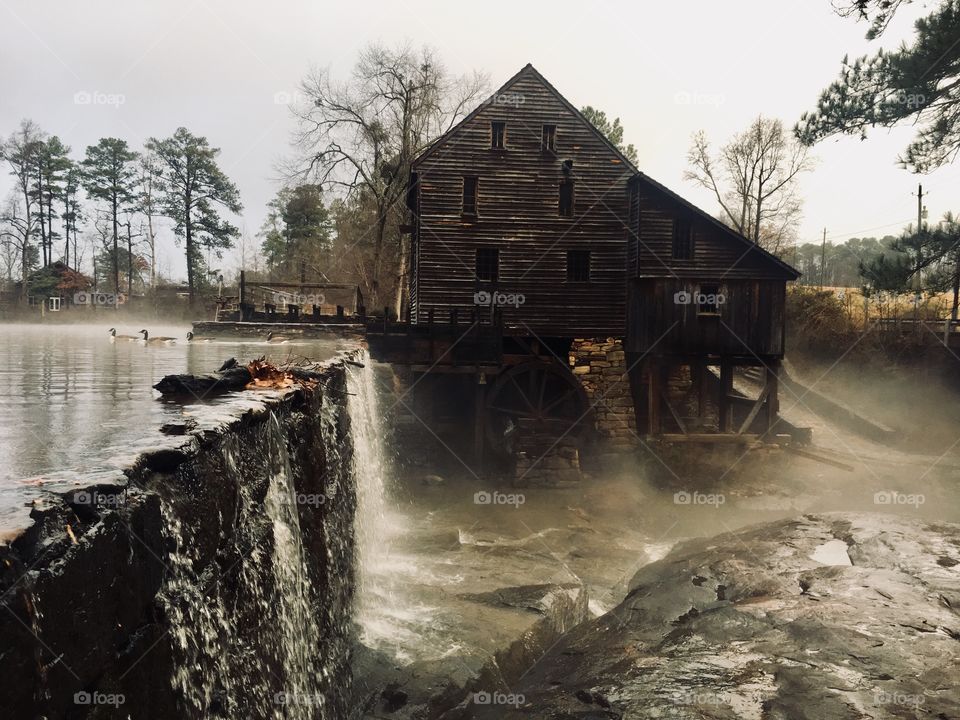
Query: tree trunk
x=402, y=277
x=188, y=237
x=956, y=286
x=116, y=254
x=378, y=254
x=129, y=262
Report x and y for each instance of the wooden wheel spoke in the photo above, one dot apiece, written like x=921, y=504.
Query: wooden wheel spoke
x=569, y=393
x=523, y=394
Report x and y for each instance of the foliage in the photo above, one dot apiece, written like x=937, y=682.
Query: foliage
x=817, y=322
x=296, y=233
x=919, y=82
x=192, y=188
x=613, y=131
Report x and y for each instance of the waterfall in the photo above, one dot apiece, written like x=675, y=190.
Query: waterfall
x=257, y=648
x=370, y=468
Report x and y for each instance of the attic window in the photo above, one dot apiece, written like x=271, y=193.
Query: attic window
x=682, y=239
x=578, y=265
x=470, y=186
x=498, y=135
x=488, y=264
x=566, y=198
x=548, y=138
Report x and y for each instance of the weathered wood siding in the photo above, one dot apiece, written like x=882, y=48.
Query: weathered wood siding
x=714, y=251
x=750, y=320
x=518, y=214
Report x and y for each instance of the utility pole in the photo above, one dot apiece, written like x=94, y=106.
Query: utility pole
x=916, y=276
x=823, y=257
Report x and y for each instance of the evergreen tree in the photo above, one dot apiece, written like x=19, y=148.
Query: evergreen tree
x=613, y=131
x=918, y=82
x=51, y=163
x=108, y=176
x=192, y=188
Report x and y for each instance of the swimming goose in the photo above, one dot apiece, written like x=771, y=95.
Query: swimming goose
x=276, y=339
x=198, y=338
x=147, y=340
x=114, y=336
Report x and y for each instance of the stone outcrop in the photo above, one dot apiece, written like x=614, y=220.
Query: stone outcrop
x=176, y=590
x=829, y=616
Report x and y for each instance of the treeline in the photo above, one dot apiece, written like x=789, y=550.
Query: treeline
x=109, y=202
x=925, y=261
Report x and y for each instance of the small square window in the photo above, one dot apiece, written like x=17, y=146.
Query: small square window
x=470, y=187
x=682, y=240
x=498, y=135
x=548, y=138
x=578, y=265
x=488, y=264
x=708, y=299
x=566, y=198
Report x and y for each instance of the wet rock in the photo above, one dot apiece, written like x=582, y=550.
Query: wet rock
x=751, y=625
x=433, y=480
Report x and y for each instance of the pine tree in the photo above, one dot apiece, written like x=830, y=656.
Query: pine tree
x=192, y=187
x=108, y=176
x=918, y=82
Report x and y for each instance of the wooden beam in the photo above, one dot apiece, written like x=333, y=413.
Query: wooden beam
x=726, y=387
x=663, y=388
x=773, y=401
x=758, y=403
x=653, y=399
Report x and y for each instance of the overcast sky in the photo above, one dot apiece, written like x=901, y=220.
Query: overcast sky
x=219, y=68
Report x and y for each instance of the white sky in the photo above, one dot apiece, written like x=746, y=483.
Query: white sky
x=216, y=66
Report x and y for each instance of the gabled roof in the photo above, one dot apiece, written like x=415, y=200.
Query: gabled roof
x=751, y=246
x=527, y=70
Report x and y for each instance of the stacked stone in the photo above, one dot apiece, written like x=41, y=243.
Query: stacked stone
x=601, y=367
x=547, y=465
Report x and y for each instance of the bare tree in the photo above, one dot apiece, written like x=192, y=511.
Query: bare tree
x=148, y=171
x=20, y=151
x=16, y=227
x=362, y=135
x=754, y=178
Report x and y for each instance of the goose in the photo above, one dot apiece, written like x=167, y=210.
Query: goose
x=114, y=337
x=147, y=340
x=197, y=338
x=276, y=339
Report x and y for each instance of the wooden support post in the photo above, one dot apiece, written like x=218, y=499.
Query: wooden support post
x=773, y=401
x=700, y=368
x=653, y=399
x=478, y=423
x=723, y=402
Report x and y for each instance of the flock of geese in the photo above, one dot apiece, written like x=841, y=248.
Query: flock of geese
x=144, y=338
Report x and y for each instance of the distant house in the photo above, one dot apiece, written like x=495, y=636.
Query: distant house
x=56, y=280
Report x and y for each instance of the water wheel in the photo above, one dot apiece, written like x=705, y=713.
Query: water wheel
x=539, y=399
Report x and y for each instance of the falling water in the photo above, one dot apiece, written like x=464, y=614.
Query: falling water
x=225, y=665
x=369, y=471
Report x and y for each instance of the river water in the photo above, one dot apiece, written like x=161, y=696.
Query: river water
x=74, y=402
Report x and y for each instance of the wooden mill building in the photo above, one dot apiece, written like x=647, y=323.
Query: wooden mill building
x=549, y=277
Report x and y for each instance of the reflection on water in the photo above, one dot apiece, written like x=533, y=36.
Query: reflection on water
x=72, y=400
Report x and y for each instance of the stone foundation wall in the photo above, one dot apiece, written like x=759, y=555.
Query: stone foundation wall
x=600, y=365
